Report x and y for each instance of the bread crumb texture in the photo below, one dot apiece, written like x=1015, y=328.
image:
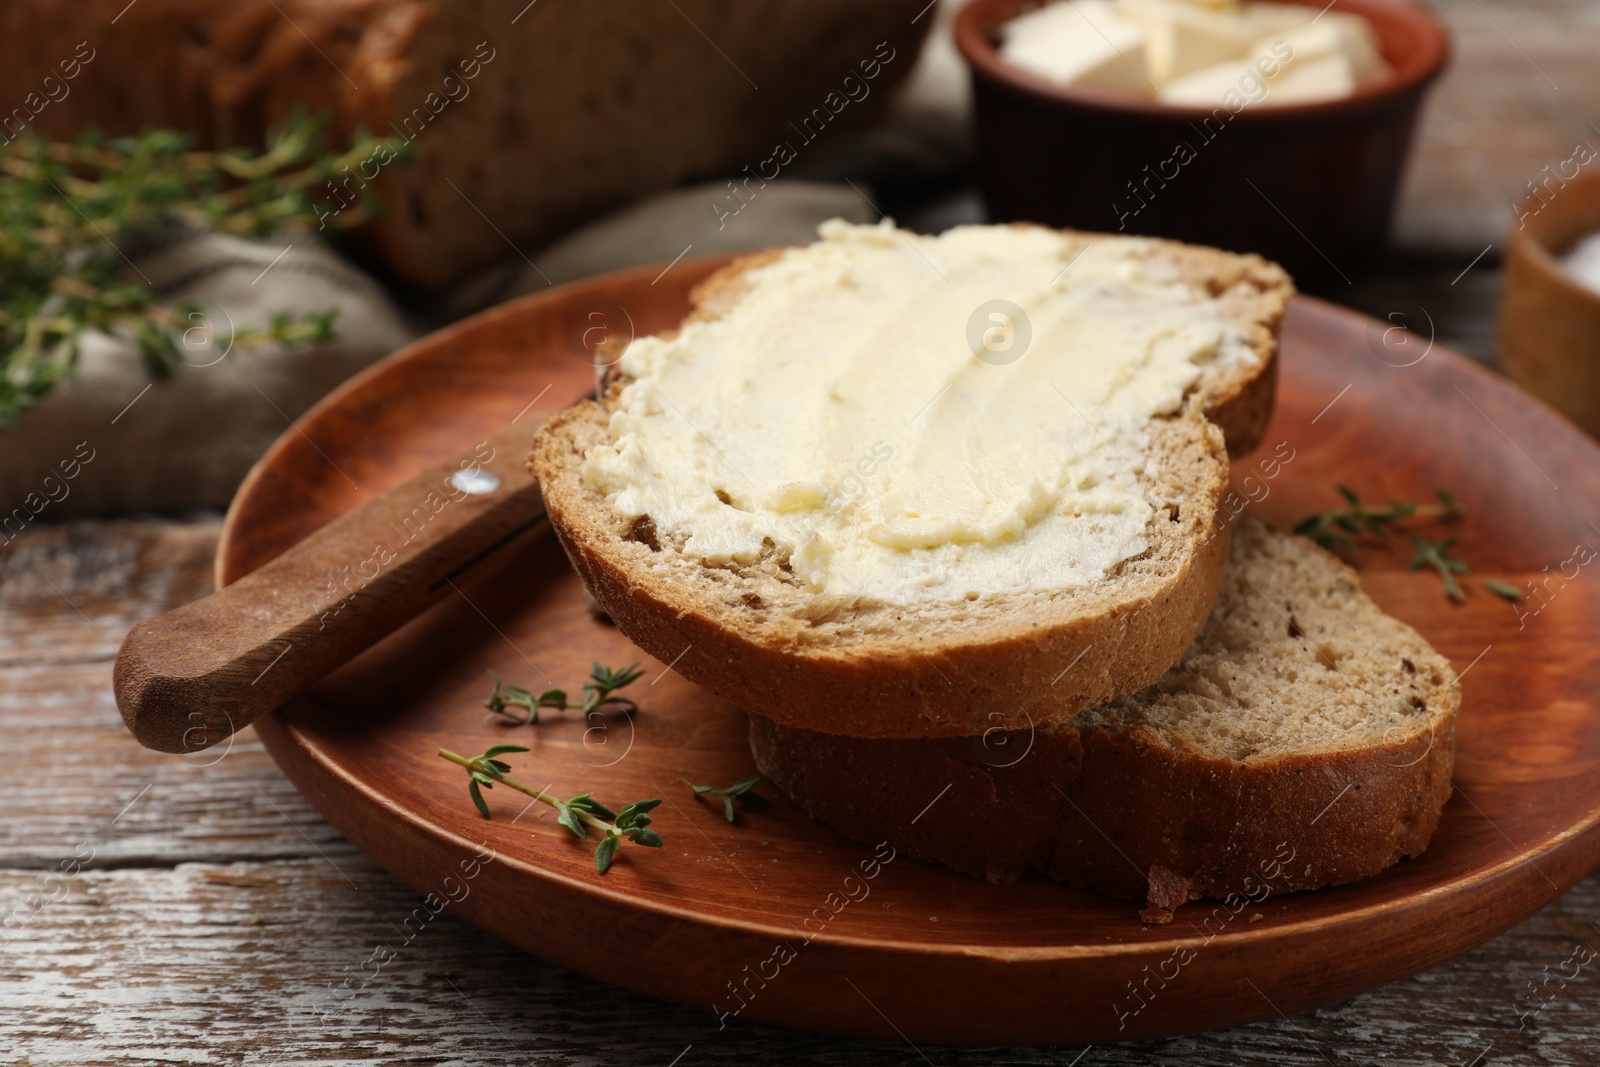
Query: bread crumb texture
x=1305, y=739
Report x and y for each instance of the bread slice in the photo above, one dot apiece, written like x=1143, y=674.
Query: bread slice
x=1306, y=739
x=759, y=636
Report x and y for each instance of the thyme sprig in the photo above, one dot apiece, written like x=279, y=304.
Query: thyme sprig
x=579, y=813
x=740, y=791
x=1437, y=556
x=1338, y=528
x=68, y=210
x=599, y=694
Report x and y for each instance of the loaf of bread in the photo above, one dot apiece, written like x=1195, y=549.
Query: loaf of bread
x=757, y=629
x=525, y=118
x=1306, y=739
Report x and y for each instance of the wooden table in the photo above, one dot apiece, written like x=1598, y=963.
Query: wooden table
x=210, y=916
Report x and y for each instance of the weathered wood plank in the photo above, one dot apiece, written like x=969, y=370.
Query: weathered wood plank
x=69, y=592
x=1519, y=95
x=58, y=696
x=93, y=784
x=72, y=768
x=163, y=952
x=246, y=963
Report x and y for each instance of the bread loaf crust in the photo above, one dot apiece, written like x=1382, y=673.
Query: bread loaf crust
x=572, y=107
x=942, y=670
x=1109, y=804
x=1119, y=813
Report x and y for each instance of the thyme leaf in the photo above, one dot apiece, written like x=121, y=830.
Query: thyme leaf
x=67, y=208
x=1503, y=589
x=740, y=791
x=1438, y=557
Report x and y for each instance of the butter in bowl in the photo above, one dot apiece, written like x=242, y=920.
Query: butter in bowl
x=1193, y=54
x=1278, y=128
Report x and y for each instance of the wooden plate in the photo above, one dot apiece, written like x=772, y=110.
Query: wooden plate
x=719, y=918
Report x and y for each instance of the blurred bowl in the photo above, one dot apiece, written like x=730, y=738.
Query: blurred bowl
x=1309, y=185
x=1549, y=328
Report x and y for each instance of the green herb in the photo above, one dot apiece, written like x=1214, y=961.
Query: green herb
x=598, y=695
x=1438, y=557
x=739, y=791
x=1503, y=589
x=1338, y=527
x=66, y=211
x=578, y=814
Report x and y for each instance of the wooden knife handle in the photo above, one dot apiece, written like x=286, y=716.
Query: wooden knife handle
x=188, y=679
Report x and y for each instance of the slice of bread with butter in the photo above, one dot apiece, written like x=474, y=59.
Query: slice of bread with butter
x=1306, y=739
x=892, y=485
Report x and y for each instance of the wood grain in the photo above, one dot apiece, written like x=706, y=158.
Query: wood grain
x=74, y=769
x=361, y=745
x=245, y=963
x=170, y=984
x=82, y=586
x=1519, y=95
x=188, y=679
x=1549, y=328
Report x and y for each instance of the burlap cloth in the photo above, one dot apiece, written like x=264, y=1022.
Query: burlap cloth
x=136, y=445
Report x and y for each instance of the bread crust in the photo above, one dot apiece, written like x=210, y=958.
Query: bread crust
x=577, y=108
x=1112, y=805
x=1118, y=813
x=918, y=672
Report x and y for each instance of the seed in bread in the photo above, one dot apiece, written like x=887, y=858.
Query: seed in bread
x=1304, y=722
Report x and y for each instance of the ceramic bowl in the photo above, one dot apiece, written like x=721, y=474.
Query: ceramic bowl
x=1549, y=327
x=1310, y=185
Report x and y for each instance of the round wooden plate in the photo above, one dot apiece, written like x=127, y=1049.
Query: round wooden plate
x=780, y=920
